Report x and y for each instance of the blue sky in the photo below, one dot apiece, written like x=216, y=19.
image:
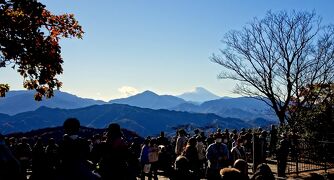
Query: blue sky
x=158, y=45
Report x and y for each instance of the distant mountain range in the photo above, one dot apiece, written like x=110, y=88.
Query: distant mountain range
x=146, y=113
x=23, y=101
x=141, y=120
x=242, y=107
x=199, y=95
x=149, y=99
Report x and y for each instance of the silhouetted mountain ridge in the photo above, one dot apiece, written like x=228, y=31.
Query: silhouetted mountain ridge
x=144, y=121
x=58, y=132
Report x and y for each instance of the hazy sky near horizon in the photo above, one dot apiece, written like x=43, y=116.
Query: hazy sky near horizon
x=130, y=46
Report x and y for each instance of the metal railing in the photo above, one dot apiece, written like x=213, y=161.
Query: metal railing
x=310, y=156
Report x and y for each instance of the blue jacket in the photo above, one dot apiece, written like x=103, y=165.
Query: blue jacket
x=217, y=155
x=144, y=154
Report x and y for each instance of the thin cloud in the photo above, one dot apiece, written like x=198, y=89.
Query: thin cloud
x=128, y=91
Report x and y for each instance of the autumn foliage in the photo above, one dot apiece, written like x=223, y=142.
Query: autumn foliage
x=29, y=43
x=311, y=112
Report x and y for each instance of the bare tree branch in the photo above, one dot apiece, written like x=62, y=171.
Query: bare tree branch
x=273, y=58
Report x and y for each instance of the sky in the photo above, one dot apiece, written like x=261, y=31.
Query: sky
x=165, y=46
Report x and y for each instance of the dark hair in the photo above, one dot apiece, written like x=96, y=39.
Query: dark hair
x=71, y=125
x=263, y=171
x=153, y=141
x=241, y=165
x=114, y=130
x=146, y=141
x=192, y=141
x=230, y=174
x=51, y=141
x=181, y=163
x=218, y=135
x=182, y=132
x=199, y=138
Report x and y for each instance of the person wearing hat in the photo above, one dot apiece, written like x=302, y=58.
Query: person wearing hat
x=217, y=155
x=282, y=155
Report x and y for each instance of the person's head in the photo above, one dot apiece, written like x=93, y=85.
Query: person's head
x=273, y=126
x=181, y=163
x=218, y=138
x=284, y=135
x=12, y=140
x=240, y=142
x=71, y=126
x=182, y=132
x=162, y=134
x=196, y=131
x=39, y=140
x=199, y=138
x=192, y=141
x=96, y=138
x=153, y=142
x=136, y=140
x=241, y=165
x=51, y=141
x=264, y=171
x=24, y=140
x=230, y=174
x=147, y=141
x=162, y=148
x=235, y=136
x=264, y=133
x=114, y=130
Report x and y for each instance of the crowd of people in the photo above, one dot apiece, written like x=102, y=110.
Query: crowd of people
x=194, y=155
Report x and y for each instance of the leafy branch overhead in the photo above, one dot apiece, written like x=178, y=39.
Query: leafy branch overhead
x=29, y=43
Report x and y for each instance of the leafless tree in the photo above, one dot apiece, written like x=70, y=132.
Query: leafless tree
x=274, y=57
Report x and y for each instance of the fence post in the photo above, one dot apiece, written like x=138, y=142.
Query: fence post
x=325, y=147
x=297, y=168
